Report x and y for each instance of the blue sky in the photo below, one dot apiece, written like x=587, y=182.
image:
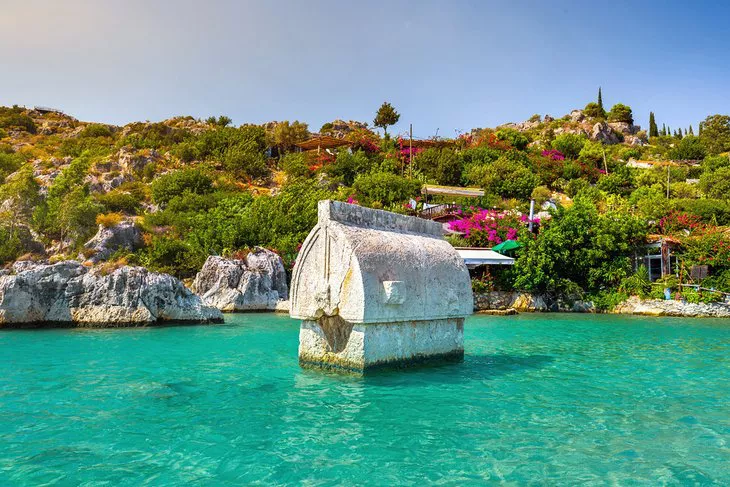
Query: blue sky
x=446, y=65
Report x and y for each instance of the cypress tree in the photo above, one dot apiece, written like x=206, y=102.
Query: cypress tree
x=600, y=98
x=664, y=129
x=691, y=132
x=653, y=129
x=679, y=132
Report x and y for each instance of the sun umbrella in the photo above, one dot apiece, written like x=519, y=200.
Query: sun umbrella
x=507, y=246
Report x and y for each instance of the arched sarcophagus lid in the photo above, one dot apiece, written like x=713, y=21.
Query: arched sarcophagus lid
x=373, y=266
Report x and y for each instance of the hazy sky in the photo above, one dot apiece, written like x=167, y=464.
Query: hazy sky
x=446, y=65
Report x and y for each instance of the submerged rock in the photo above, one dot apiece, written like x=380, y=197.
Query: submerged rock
x=70, y=294
x=256, y=283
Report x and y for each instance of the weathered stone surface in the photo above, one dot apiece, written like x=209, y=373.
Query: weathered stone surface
x=362, y=269
x=657, y=307
x=125, y=235
x=70, y=294
x=503, y=300
x=256, y=283
x=603, y=133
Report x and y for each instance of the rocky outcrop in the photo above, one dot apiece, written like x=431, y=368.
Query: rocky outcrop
x=657, y=307
x=503, y=300
x=602, y=132
x=125, y=235
x=256, y=283
x=69, y=294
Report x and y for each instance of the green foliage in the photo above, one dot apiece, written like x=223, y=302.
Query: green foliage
x=95, y=130
x=711, y=211
x=192, y=180
x=621, y=113
x=620, y=181
x=295, y=165
x=125, y=199
x=386, y=116
x=653, y=129
x=509, y=178
x=14, y=120
x=715, y=134
x=284, y=134
x=9, y=163
x=715, y=162
x=153, y=136
x=569, y=144
x=172, y=256
x=650, y=201
x=716, y=184
x=348, y=166
x=221, y=121
x=541, y=194
x=594, y=110
x=516, y=138
x=580, y=247
x=444, y=166
x=638, y=284
x=689, y=148
x=592, y=151
x=387, y=188
x=607, y=299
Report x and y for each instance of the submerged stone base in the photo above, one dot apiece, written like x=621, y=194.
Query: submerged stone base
x=333, y=343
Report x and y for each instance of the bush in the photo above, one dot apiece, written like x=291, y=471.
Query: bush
x=166, y=187
x=621, y=113
x=109, y=220
x=569, y=144
x=295, y=165
x=541, y=194
x=639, y=284
x=713, y=211
x=509, y=179
x=9, y=163
x=716, y=184
x=348, y=166
x=516, y=138
x=18, y=120
x=387, y=188
x=689, y=148
x=592, y=151
x=95, y=130
x=172, y=256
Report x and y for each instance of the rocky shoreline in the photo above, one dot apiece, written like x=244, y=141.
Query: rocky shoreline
x=503, y=303
x=70, y=294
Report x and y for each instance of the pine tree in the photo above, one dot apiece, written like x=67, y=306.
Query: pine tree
x=653, y=129
x=600, y=98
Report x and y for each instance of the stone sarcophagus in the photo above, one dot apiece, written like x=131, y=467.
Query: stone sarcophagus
x=375, y=288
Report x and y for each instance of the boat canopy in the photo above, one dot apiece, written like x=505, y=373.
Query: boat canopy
x=474, y=257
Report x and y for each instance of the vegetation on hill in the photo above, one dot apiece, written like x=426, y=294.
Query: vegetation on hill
x=202, y=187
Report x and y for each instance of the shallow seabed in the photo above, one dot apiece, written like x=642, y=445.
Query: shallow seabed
x=540, y=399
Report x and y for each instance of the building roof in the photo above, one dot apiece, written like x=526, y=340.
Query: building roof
x=323, y=142
x=434, y=189
x=475, y=257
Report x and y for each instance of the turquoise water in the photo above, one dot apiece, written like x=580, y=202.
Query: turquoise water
x=540, y=399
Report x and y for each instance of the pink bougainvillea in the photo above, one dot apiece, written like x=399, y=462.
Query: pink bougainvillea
x=485, y=228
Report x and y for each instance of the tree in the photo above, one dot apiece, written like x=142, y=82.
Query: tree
x=284, y=134
x=594, y=110
x=386, y=116
x=569, y=144
x=600, y=100
x=516, y=138
x=653, y=129
x=691, y=132
x=21, y=195
x=715, y=133
x=716, y=184
x=621, y=113
x=385, y=187
x=688, y=148
x=221, y=121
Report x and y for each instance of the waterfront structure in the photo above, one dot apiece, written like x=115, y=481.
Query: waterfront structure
x=375, y=288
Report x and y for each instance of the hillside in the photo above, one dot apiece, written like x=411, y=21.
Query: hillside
x=201, y=187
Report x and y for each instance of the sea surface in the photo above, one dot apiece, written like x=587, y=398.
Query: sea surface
x=540, y=399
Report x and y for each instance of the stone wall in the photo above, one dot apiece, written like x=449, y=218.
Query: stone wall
x=657, y=307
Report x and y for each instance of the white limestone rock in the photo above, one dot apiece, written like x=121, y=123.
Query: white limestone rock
x=125, y=235
x=256, y=283
x=657, y=307
x=70, y=294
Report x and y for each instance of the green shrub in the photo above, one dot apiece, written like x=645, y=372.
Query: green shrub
x=18, y=120
x=295, y=165
x=95, y=130
x=716, y=184
x=172, y=256
x=386, y=188
x=639, y=284
x=516, y=138
x=569, y=144
x=594, y=110
x=193, y=180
